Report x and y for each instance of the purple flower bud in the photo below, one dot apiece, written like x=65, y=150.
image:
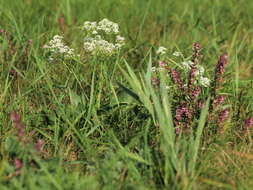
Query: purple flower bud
x=18, y=125
x=15, y=117
x=192, y=75
x=39, y=145
x=200, y=104
x=182, y=111
x=176, y=78
x=162, y=64
x=196, y=92
x=18, y=164
x=220, y=67
x=155, y=81
x=13, y=73
x=248, y=123
x=177, y=130
x=20, y=130
x=30, y=42
x=195, y=61
x=179, y=114
x=196, y=47
x=196, y=53
x=218, y=101
x=223, y=115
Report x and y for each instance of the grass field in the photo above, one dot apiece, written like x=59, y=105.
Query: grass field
x=130, y=117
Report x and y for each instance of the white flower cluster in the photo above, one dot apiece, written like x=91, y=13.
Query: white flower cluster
x=187, y=65
x=90, y=27
x=57, y=46
x=105, y=25
x=177, y=53
x=161, y=50
x=204, y=81
x=153, y=69
x=95, y=42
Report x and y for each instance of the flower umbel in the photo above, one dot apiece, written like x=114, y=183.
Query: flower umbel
x=57, y=47
x=102, y=38
x=161, y=50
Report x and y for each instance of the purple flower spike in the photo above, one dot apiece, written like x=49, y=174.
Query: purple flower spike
x=15, y=117
x=30, y=42
x=182, y=111
x=196, y=92
x=177, y=130
x=220, y=67
x=18, y=125
x=196, y=46
x=248, y=123
x=223, y=116
x=200, y=104
x=155, y=81
x=176, y=78
x=218, y=101
x=39, y=145
x=196, y=53
x=192, y=75
x=195, y=61
x=179, y=114
x=18, y=164
x=162, y=64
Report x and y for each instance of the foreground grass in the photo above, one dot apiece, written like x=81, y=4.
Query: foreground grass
x=96, y=136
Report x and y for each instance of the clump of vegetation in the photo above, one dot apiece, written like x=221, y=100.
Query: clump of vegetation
x=189, y=88
x=82, y=107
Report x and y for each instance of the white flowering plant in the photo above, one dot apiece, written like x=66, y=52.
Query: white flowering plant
x=186, y=83
x=102, y=38
x=177, y=60
x=58, y=49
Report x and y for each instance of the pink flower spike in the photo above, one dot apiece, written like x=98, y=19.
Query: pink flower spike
x=196, y=92
x=248, y=122
x=162, y=64
x=196, y=47
x=39, y=145
x=15, y=117
x=18, y=164
x=200, y=104
x=177, y=130
x=219, y=101
x=223, y=115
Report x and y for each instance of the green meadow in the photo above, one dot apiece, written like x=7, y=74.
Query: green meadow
x=103, y=106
